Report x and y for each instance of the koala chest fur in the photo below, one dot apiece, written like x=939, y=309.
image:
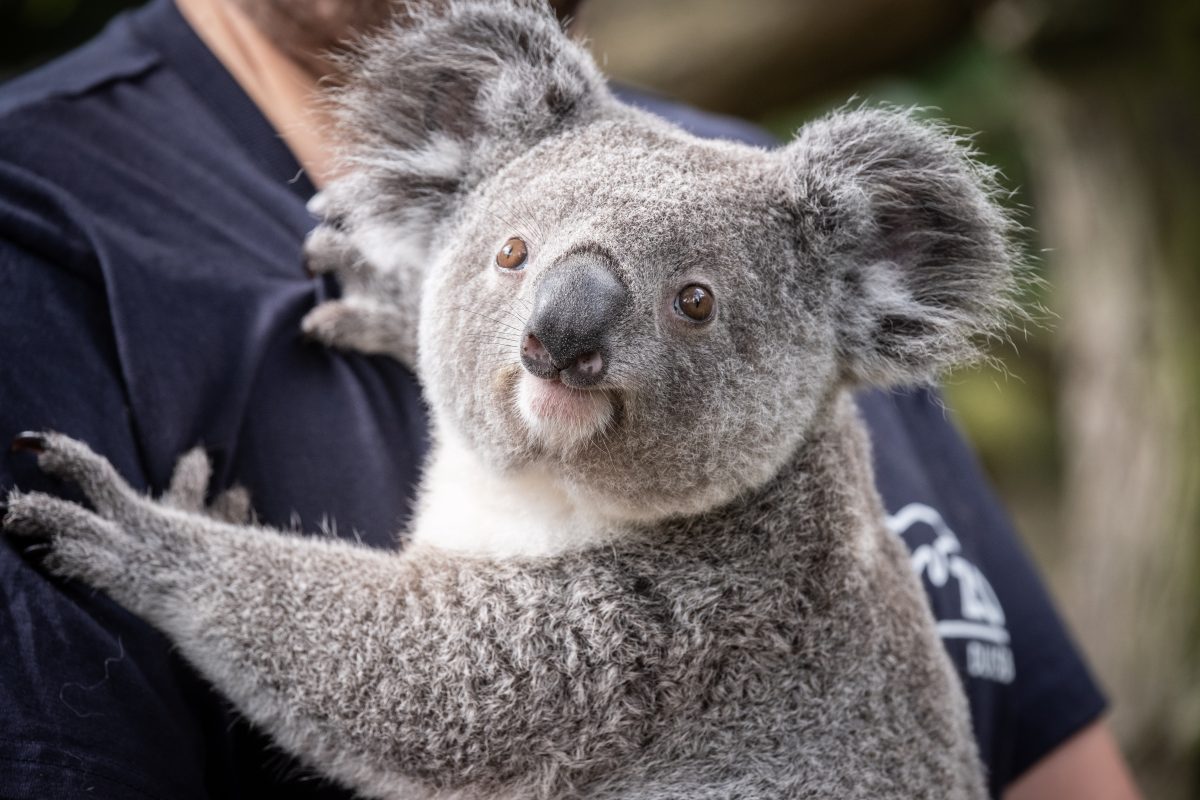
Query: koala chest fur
x=523, y=512
x=680, y=661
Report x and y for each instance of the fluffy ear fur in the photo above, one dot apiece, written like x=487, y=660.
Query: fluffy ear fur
x=439, y=101
x=908, y=220
x=453, y=90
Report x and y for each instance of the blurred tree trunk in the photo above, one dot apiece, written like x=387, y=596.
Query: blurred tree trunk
x=1114, y=133
x=741, y=58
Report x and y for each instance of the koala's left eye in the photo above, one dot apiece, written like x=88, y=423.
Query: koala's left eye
x=512, y=255
x=695, y=302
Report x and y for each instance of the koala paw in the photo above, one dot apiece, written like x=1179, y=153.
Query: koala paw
x=376, y=313
x=358, y=324
x=362, y=321
x=128, y=537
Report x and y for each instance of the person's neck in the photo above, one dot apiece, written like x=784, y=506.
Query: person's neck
x=285, y=91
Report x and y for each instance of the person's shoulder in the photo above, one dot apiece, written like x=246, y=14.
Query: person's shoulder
x=113, y=56
x=52, y=119
x=704, y=124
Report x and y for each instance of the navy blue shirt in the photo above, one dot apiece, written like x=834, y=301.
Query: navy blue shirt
x=151, y=289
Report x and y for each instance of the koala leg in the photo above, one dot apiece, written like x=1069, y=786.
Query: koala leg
x=376, y=314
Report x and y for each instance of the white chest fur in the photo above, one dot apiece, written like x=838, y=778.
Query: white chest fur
x=469, y=507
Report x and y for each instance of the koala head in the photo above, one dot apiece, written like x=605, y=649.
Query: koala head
x=656, y=320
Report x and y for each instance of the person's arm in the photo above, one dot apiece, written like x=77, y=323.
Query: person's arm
x=1088, y=766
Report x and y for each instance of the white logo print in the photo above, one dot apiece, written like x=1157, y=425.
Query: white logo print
x=982, y=621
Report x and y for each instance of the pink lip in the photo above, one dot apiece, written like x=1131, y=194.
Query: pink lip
x=560, y=414
x=555, y=400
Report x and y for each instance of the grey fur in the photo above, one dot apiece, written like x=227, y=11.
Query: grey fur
x=735, y=620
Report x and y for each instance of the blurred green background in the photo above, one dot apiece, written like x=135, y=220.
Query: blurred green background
x=1090, y=422
x=31, y=31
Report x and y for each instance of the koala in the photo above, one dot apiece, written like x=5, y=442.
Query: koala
x=648, y=559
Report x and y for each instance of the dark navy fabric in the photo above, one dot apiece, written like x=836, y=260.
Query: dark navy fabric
x=151, y=288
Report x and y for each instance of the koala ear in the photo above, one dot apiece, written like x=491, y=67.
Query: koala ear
x=453, y=90
x=921, y=252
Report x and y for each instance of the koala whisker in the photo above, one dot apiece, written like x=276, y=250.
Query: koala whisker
x=528, y=228
x=481, y=315
x=493, y=335
x=520, y=226
x=485, y=338
x=497, y=363
x=598, y=443
x=497, y=356
x=502, y=352
x=522, y=321
x=504, y=347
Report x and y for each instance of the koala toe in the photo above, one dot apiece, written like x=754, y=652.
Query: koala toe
x=359, y=325
x=189, y=481
x=74, y=461
x=81, y=544
x=330, y=249
x=233, y=506
x=35, y=515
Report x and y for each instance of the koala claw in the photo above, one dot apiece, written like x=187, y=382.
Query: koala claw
x=74, y=461
x=29, y=442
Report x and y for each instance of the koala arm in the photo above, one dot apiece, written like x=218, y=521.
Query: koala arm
x=392, y=672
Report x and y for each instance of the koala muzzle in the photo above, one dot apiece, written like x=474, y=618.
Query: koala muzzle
x=574, y=308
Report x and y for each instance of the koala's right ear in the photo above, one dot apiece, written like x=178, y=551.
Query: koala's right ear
x=451, y=92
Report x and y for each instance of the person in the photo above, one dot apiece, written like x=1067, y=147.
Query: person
x=152, y=206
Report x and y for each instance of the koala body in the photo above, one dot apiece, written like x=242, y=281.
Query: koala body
x=648, y=559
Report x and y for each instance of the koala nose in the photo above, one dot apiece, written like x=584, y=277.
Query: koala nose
x=574, y=308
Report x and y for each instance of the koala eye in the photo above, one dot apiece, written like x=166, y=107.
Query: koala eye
x=695, y=302
x=512, y=255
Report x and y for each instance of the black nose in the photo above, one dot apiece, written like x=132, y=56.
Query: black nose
x=574, y=308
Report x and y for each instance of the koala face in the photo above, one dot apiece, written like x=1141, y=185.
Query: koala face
x=625, y=306
x=654, y=320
